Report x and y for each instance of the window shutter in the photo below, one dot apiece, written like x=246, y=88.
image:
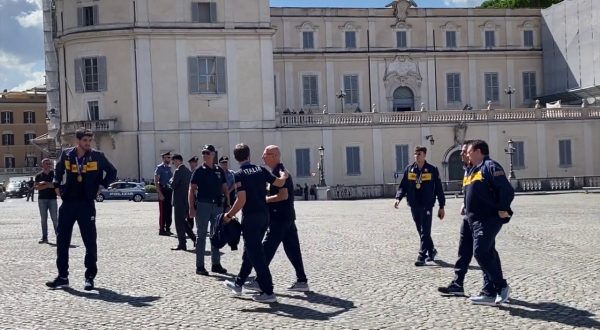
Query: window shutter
x=78, y=75
x=213, y=12
x=221, y=74
x=195, y=12
x=102, y=78
x=194, y=88
x=80, y=16
x=95, y=14
x=33, y=117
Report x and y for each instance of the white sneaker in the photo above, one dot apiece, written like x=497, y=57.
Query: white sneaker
x=251, y=287
x=503, y=296
x=234, y=287
x=483, y=300
x=265, y=298
x=299, y=287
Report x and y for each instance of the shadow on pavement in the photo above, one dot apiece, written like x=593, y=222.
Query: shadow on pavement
x=444, y=264
x=113, y=297
x=551, y=312
x=301, y=312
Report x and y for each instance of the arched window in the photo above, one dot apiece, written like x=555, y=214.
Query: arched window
x=404, y=99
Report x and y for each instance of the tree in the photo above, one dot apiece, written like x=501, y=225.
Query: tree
x=518, y=3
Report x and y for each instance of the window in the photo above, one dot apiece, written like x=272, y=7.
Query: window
x=303, y=162
x=308, y=41
x=401, y=39
x=453, y=87
x=353, y=160
x=529, y=86
x=90, y=74
x=30, y=161
x=207, y=75
x=7, y=117
x=8, y=139
x=491, y=87
x=9, y=162
x=29, y=117
x=93, y=110
x=87, y=16
x=401, y=157
x=490, y=39
x=519, y=154
x=564, y=152
x=528, y=38
x=450, y=39
x=27, y=137
x=351, y=89
x=350, y=39
x=204, y=12
x=310, y=91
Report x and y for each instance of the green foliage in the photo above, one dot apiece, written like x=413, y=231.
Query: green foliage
x=150, y=188
x=518, y=3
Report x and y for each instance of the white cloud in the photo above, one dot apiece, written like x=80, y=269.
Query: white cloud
x=34, y=79
x=31, y=19
x=27, y=75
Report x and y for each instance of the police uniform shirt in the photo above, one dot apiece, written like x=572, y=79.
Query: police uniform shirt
x=253, y=180
x=164, y=173
x=210, y=182
x=285, y=206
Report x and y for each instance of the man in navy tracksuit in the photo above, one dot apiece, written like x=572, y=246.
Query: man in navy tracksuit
x=251, y=184
x=84, y=169
x=488, y=195
x=421, y=185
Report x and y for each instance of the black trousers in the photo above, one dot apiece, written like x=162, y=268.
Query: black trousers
x=182, y=226
x=165, y=209
x=484, y=250
x=422, y=217
x=84, y=213
x=465, y=255
x=282, y=229
x=254, y=227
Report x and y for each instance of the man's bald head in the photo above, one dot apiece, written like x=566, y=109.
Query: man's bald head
x=271, y=156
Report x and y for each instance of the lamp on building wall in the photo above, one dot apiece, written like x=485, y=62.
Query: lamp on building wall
x=430, y=139
x=341, y=95
x=510, y=91
x=320, y=165
x=510, y=150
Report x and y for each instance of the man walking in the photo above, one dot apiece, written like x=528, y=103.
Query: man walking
x=30, y=189
x=84, y=169
x=282, y=225
x=162, y=176
x=180, y=183
x=488, y=195
x=251, y=181
x=46, y=198
x=207, y=186
x=421, y=185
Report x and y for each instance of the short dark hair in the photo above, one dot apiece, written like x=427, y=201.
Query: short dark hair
x=467, y=143
x=420, y=149
x=481, y=146
x=177, y=157
x=241, y=152
x=82, y=131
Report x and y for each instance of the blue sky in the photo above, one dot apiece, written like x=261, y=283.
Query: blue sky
x=21, y=40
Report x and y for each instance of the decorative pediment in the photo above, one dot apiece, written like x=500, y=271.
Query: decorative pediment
x=307, y=26
x=450, y=26
x=403, y=66
x=401, y=9
x=401, y=26
x=490, y=25
x=528, y=25
x=349, y=26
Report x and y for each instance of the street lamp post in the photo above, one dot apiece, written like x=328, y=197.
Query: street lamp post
x=320, y=165
x=510, y=150
x=341, y=95
x=510, y=91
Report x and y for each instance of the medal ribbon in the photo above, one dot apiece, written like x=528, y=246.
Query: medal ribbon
x=79, y=168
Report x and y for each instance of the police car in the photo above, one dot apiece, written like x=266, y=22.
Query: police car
x=123, y=190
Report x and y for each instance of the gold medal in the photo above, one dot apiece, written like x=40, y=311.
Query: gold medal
x=418, y=186
x=79, y=178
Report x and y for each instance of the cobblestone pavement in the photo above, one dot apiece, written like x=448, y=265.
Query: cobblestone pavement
x=359, y=258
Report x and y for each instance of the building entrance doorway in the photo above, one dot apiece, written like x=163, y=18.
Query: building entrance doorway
x=404, y=99
x=455, y=167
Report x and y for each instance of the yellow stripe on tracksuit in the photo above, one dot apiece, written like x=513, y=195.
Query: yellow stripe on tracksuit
x=477, y=176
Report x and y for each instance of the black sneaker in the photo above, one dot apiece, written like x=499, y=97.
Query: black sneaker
x=452, y=289
x=431, y=256
x=201, y=271
x=43, y=241
x=58, y=282
x=218, y=269
x=89, y=284
x=420, y=261
x=163, y=233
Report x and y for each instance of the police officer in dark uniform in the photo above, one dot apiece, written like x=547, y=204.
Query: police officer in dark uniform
x=162, y=176
x=421, y=185
x=488, y=195
x=84, y=169
x=251, y=182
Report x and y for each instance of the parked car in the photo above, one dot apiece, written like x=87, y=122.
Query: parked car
x=131, y=191
x=16, y=189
